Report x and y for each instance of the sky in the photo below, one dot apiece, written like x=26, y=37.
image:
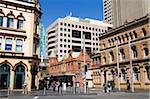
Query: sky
x=53, y=9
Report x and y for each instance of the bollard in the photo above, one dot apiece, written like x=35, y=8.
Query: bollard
x=8, y=92
x=44, y=91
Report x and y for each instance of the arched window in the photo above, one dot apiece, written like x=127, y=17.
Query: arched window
x=8, y=45
x=122, y=55
x=135, y=34
x=134, y=52
x=1, y=21
x=19, y=44
x=123, y=75
x=146, y=51
x=1, y=18
x=10, y=20
x=104, y=59
x=0, y=43
x=144, y=32
x=20, y=21
x=131, y=36
x=111, y=56
x=148, y=72
x=135, y=74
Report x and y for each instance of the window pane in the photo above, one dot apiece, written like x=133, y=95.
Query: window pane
x=1, y=20
x=19, y=45
x=0, y=43
x=8, y=45
x=20, y=24
x=10, y=22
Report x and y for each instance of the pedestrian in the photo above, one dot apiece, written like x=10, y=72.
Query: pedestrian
x=60, y=88
x=128, y=85
x=54, y=86
x=112, y=86
x=108, y=86
x=105, y=87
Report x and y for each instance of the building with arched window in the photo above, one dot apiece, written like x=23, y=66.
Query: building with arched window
x=19, y=43
x=131, y=42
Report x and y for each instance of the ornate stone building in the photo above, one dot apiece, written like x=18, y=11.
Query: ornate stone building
x=19, y=43
x=71, y=68
x=130, y=41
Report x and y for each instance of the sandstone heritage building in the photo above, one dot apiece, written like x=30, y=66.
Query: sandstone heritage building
x=19, y=43
x=70, y=69
x=104, y=68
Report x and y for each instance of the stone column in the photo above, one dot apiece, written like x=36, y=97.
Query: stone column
x=28, y=77
x=11, y=80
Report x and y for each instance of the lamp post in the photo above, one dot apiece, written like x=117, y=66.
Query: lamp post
x=85, y=90
x=131, y=70
x=117, y=58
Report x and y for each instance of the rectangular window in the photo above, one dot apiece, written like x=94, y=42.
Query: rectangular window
x=10, y=22
x=1, y=21
x=87, y=35
x=8, y=45
x=76, y=48
x=19, y=44
x=76, y=34
x=0, y=43
x=20, y=24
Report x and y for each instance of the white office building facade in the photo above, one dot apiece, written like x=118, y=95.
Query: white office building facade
x=67, y=34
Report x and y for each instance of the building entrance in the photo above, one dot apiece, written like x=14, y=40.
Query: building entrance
x=4, y=76
x=19, y=77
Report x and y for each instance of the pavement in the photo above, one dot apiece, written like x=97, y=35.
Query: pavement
x=93, y=94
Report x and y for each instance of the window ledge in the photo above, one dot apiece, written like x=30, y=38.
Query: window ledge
x=11, y=29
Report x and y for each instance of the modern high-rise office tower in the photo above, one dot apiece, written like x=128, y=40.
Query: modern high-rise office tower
x=123, y=11
x=67, y=34
x=107, y=8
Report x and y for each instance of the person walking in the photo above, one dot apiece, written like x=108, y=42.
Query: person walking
x=128, y=85
x=60, y=88
x=54, y=86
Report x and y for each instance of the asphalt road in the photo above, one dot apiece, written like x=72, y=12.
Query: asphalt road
x=99, y=96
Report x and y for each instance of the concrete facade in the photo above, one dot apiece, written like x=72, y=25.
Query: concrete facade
x=67, y=33
x=19, y=43
x=123, y=11
x=105, y=62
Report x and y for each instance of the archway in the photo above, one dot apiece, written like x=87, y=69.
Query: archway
x=19, y=76
x=4, y=76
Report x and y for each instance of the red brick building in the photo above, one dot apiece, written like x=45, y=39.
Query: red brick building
x=70, y=68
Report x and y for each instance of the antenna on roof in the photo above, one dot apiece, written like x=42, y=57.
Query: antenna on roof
x=70, y=14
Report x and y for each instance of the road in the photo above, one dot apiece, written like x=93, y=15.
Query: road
x=99, y=96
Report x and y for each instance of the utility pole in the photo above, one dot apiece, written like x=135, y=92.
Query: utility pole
x=117, y=58
x=84, y=64
x=131, y=69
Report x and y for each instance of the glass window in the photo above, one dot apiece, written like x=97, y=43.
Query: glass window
x=1, y=21
x=134, y=52
x=10, y=22
x=148, y=72
x=136, y=74
x=8, y=45
x=122, y=55
x=19, y=44
x=123, y=76
x=20, y=24
x=146, y=51
x=111, y=56
x=79, y=66
x=0, y=43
